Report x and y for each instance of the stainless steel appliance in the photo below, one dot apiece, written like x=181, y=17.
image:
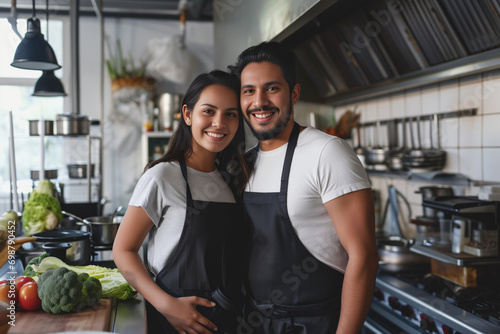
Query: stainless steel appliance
x=426, y=301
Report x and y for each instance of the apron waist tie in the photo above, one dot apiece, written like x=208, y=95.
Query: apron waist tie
x=288, y=311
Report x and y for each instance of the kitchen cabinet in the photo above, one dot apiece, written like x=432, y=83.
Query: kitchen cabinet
x=154, y=144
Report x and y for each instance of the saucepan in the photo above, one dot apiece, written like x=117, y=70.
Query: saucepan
x=395, y=255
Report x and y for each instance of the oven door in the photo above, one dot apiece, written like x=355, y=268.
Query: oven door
x=380, y=320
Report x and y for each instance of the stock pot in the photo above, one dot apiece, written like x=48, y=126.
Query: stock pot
x=395, y=255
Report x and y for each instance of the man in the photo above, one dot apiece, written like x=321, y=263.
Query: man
x=312, y=257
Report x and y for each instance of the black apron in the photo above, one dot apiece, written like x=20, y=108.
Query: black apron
x=205, y=263
x=289, y=290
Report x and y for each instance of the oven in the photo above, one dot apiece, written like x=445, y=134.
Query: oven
x=432, y=300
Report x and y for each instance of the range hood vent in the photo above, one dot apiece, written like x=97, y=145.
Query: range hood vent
x=385, y=46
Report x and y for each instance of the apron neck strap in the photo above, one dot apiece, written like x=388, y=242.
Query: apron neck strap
x=292, y=143
x=182, y=163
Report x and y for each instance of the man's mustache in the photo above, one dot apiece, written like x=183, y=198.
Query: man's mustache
x=264, y=108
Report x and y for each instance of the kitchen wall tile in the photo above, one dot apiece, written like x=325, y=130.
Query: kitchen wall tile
x=491, y=162
x=470, y=129
x=398, y=108
x=370, y=111
x=491, y=92
x=471, y=161
x=430, y=99
x=384, y=109
x=448, y=133
x=452, y=164
x=491, y=137
x=425, y=134
x=448, y=96
x=413, y=102
x=471, y=94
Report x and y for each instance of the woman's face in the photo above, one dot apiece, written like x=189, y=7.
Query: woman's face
x=214, y=119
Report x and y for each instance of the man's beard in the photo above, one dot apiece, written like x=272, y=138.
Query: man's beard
x=275, y=131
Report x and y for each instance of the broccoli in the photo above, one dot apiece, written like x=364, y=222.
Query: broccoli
x=62, y=290
x=32, y=266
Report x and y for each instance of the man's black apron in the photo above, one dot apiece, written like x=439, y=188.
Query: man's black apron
x=202, y=266
x=289, y=290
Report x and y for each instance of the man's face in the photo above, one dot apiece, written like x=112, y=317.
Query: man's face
x=266, y=99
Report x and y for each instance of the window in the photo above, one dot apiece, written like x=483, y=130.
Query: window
x=16, y=87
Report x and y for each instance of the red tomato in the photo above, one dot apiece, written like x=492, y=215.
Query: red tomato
x=28, y=297
x=9, y=293
x=21, y=280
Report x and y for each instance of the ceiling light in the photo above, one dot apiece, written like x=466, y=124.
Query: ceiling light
x=49, y=85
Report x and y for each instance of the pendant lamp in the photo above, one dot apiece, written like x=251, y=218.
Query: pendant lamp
x=48, y=84
x=34, y=53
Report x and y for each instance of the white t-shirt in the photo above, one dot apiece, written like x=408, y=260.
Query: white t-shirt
x=323, y=168
x=161, y=192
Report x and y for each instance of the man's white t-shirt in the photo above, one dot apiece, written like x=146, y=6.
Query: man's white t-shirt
x=323, y=168
x=161, y=192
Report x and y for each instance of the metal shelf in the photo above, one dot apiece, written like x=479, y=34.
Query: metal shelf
x=445, y=255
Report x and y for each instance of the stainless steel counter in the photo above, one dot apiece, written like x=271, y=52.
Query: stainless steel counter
x=129, y=316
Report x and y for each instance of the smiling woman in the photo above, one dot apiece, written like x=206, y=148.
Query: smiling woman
x=16, y=87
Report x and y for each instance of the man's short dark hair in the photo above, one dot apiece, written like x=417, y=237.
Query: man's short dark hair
x=273, y=52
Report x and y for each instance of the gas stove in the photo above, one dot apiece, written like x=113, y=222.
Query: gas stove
x=424, y=303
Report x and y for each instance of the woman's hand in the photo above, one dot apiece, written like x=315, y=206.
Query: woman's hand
x=184, y=317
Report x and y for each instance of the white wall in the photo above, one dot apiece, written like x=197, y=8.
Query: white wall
x=472, y=143
x=122, y=153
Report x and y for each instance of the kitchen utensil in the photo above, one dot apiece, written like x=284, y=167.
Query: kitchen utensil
x=395, y=158
x=395, y=255
x=377, y=155
x=57, y=249
x=34, y=127
x=395, y=213
x=78, y=170
x=168, y=105
x=104, y=229
x=8, y=246
x=68, y=124
x=50, y=174
x=430, y=192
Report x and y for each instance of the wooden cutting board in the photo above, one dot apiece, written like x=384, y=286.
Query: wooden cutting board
x=96, y=318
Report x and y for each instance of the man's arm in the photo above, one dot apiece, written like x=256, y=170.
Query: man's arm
x=354, y=220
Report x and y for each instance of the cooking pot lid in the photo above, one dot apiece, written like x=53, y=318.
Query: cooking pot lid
x=66, y=235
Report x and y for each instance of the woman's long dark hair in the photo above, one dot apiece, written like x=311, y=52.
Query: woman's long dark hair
x=230, y=161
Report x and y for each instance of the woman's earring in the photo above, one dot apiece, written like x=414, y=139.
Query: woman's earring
x=188, y=122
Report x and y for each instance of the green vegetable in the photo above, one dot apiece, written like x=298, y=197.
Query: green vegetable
x=112, y=281
x=62, y=290
x=32, y=266
x=42, y=211
x=11, y=215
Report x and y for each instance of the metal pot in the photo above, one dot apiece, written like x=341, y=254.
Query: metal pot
x=72, y=124
x=430, y=192
x=168, y=105
x=78, y=170
x=104, y=229
x=35, y=128
x=395, y=255
x=79, y=254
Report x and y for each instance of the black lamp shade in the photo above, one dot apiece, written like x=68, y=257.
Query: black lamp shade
x=34, y=53
x=49, y=85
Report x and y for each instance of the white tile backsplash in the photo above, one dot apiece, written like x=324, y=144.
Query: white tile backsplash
x=448, y=96
x=472, y=143
x=413, y=103
x=491, y=92
x=471, y=161
x=491, y=164
x=471, y=94
x=470, y=129
x=491, y=133
x=448, y=133
x=430, y=100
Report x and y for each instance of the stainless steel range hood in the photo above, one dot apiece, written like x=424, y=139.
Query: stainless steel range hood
x=356, y=49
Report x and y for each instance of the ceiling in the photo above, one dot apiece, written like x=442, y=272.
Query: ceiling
x=198, y=10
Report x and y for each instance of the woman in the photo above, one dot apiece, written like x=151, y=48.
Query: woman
x=186, y=202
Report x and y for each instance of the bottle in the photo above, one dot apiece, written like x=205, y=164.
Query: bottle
x=157, y=152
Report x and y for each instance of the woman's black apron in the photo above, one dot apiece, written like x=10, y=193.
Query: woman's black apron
x=288, y=289
x=201, y=264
